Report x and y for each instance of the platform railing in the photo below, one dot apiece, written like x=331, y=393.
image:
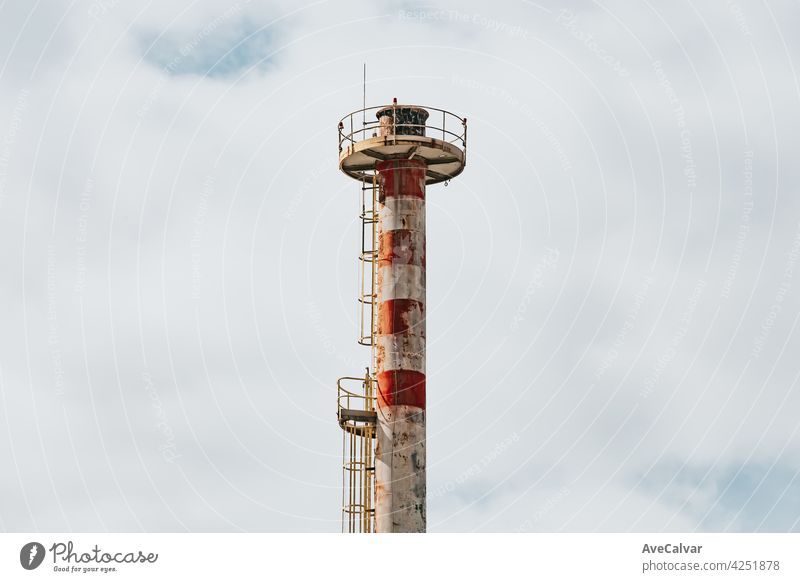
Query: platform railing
x=441, y=124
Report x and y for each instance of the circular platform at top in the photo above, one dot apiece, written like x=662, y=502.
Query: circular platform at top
x=403, y=132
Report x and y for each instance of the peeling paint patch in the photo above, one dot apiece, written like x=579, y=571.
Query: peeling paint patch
x=400, y=463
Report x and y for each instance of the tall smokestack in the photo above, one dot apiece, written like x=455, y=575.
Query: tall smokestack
x=400, y=361
x=398, y=155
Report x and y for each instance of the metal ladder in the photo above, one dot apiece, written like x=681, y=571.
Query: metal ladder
x=356, y=395
x=368, y=263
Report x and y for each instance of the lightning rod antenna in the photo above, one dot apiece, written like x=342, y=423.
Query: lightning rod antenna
x=364, y=98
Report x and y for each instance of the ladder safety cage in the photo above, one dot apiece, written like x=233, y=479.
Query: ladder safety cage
x=368, y=262
x=357, y=418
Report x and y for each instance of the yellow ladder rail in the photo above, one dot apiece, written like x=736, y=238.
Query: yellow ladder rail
x=357, y=418
x=368, y=262
x=356, y=406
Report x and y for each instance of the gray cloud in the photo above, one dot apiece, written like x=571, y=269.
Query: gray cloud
x=611, y=283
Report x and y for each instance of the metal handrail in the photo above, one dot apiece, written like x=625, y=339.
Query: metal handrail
x=458, y=138
x=346, y=395
x=349, y=400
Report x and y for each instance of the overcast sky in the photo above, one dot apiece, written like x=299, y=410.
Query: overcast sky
x=612, y=282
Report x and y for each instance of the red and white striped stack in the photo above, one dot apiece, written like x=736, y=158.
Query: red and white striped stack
x=400, y=362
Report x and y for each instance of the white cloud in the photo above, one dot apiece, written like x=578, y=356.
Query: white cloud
x=179, y=252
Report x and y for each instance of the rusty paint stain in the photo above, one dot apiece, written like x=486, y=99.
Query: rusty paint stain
x=405, y=387
x=401, y=316
x=401, y=178
x=400, y=470
x=401, y=247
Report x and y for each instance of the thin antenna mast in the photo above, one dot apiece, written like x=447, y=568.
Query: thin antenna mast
x=364, y=109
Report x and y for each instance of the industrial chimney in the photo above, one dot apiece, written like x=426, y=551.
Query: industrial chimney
x=394, y=151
